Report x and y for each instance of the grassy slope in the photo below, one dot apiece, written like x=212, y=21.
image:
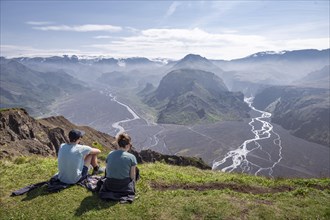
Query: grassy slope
x=304, y=201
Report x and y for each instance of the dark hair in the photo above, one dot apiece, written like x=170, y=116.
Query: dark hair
x=75, y=134
x=123, y=139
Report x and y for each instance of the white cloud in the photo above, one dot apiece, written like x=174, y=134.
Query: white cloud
x=176, y=43
x=38, y=22
x=27, y=51
x=80, y=28
x=317, y=43
x=103, y=37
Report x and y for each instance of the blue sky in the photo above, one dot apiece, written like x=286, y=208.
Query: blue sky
x=167, y=29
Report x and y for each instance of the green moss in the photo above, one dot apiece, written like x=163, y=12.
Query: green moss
x=10, y=109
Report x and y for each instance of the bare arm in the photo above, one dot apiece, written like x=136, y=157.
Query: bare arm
x=95, y=151
x=132, y=173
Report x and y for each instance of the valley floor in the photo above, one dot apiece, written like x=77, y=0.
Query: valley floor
x=211, y=142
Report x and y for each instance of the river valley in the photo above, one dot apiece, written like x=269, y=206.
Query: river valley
x=229, y=146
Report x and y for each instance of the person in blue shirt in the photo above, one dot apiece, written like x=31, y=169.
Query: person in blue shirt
x=121, y=172
x=120, y=163
x=75, y=159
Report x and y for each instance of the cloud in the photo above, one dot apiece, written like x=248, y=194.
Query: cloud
x=103, y=37
x=28, y=51
x=176, y=43
x=38, y=22
x=172, y=9
x=317, y=43
x=80, y=28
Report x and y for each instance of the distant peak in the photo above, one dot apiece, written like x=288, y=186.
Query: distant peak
x=264, y=53
x=194, y=57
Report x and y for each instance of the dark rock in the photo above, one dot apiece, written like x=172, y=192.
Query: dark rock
x=152, y=156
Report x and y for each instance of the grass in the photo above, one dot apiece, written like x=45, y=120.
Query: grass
x=9, y=109
x=104, y=151
x=306, y=199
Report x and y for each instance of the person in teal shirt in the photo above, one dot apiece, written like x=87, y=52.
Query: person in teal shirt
x=120, y=163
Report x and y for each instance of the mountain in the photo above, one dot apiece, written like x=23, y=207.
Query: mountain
x=90, y=69
x=106, y=61
x=132, y=62
x=148, y=88
x=194, y=61
x=316, y=79
x=53, y=59
x=189, y=96
x=303, y=111
x=23, y=87
x=287, y=56
x=22, y=135
x=273, y=68
x=266, y=67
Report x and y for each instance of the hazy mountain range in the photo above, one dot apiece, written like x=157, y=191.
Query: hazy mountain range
x=34, y=90
x=293, y=85
x=265, y=67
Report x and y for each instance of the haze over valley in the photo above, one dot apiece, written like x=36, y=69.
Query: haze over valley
x=191, y=106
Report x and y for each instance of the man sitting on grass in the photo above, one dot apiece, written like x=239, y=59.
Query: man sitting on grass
x=75, y=159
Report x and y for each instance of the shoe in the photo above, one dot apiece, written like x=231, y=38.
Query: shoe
x=98, y=170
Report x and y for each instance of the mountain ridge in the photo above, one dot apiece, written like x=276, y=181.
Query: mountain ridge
x=23, y=87
x=303, y=111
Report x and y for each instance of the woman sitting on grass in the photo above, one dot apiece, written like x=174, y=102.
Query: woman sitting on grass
x=120, y=172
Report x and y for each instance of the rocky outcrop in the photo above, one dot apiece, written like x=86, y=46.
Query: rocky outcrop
x=58, y=127
x=24, y=135
x=152, y=156
x=21, y=134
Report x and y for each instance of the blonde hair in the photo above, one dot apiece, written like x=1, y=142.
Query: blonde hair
x=123, y=139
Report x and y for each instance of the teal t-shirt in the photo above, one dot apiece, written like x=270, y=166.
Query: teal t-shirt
x=119, y=164
x=71, y=162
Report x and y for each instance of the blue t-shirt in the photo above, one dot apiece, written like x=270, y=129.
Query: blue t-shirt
x=71, y=162
x=119, y=164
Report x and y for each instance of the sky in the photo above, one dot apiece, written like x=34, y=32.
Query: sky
x=162, y=29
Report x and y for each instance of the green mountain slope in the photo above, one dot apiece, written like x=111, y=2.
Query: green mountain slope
x=303, y=111
x=23, y=87
x=165, y=192
x=190, y=96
